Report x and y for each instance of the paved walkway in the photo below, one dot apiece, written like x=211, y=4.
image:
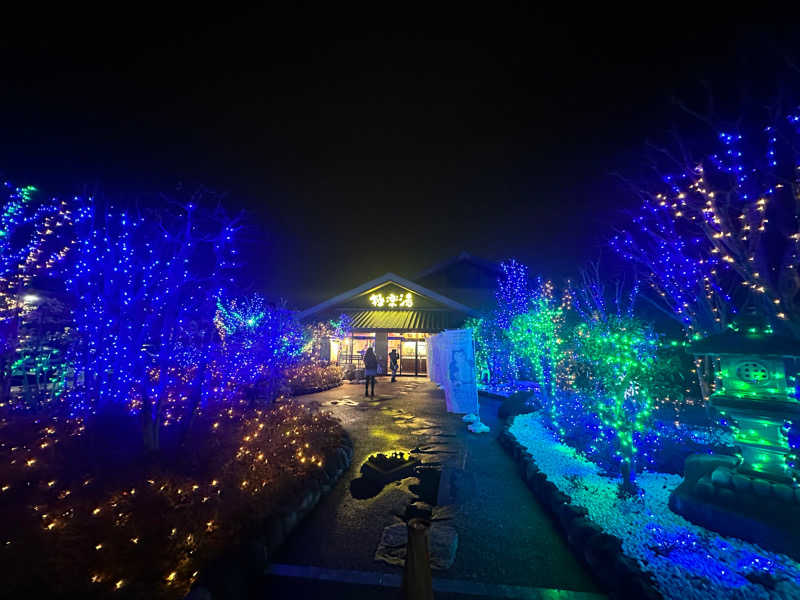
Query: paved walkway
x=507, y=544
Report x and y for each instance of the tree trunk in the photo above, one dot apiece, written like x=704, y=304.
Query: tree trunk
x=5, y=382
x=197, y=397
x=149, y=427
x=704, y=373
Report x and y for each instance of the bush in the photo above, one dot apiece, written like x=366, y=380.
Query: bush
x=83, y=516
x=312, y=377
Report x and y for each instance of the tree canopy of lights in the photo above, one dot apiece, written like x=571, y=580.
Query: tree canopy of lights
x=536, y=337
x=144, y=286
x=321, y=332
x=721, y=227
x=513, y=296
x=259, y=341
x=598, y=369
x=245, y=314
x=620, y=353
x=34, y=238
x=513, y=292
x=40, y=361
x=483, y=350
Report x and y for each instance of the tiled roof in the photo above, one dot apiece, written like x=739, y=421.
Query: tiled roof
x=405, y=320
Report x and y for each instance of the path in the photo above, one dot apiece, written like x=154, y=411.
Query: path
x=505, y=538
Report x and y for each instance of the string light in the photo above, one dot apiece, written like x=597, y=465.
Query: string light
x=153, y=307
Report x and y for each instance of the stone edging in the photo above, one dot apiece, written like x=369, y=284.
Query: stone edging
x=231, y=575
x=601, y=551
x=316, y=390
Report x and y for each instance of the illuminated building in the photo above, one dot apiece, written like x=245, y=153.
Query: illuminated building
x=395, y=313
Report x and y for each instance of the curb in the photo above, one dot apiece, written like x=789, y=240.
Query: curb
x=305, y=392
x=231, y=575
x=619, y=574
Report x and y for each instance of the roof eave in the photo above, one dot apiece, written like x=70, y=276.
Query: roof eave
x=378, y=281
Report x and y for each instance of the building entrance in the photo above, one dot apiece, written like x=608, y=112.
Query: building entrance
x=412, y=350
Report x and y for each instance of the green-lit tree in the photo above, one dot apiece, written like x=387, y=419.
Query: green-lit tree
x=40, y=361
x=33, y=239
x=618, y=355
x=536, y=337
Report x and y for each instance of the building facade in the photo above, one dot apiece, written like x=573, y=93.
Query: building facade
x=394, y=313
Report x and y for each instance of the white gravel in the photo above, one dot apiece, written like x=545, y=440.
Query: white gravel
x=687, y=561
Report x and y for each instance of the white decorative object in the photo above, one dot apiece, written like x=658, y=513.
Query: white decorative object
x=452, y=366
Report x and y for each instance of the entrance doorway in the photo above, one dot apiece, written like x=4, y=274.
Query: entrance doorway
x=412, y=348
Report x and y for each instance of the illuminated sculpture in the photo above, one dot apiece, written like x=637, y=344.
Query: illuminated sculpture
x=755, y=395
x=753, y=495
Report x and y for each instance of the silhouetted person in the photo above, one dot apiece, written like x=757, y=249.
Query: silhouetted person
x=393, y=363
x=370, y=370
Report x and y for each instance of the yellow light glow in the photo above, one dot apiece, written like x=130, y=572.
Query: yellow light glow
x=392, y=300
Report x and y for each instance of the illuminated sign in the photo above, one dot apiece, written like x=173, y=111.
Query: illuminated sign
x=392, y=300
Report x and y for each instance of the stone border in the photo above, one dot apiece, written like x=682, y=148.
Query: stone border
x=307, y=391
x=602, y=552
x=232, y=575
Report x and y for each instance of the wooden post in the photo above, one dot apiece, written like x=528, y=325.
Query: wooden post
x=417, y=580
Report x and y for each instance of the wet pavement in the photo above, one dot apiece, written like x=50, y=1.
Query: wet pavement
x=504, y=537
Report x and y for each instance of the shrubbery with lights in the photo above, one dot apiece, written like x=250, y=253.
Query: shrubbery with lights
x=621, y=407
x=137, y=386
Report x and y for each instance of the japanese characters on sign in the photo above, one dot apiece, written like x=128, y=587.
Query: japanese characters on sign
x=392, y=300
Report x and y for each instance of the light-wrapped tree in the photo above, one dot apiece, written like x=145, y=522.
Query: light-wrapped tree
x=144, y=287
x=34, y=238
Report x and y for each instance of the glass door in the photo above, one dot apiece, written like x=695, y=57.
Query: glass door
x=408, y=357
x=422, y=357
x=412, y=350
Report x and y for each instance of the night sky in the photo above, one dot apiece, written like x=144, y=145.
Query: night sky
x=361, y=149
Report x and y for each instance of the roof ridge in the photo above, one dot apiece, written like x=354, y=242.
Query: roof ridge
x=462, y=256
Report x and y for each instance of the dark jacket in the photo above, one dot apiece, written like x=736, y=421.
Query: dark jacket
x=370, y=360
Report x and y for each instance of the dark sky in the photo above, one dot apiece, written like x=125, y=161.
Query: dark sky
x=360, y=148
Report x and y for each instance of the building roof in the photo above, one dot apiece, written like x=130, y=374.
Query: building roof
x=730, y=343
x=422, y=320
x=373, y=284
x=489, y=265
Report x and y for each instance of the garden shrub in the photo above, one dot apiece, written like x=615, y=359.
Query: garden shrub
x=311, y=377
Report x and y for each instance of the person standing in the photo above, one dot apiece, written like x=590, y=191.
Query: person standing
x=370, y=370
x=393, y=363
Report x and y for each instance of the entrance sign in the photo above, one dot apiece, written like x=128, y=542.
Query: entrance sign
x=392, y=300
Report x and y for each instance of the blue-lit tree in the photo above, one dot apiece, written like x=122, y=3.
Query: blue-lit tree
x=722, y=229
x=727, y=219
x=258, y=341
x=513, y=295
x=144, y=286
x=497, y=355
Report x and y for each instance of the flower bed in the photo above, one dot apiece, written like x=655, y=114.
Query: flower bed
x=632, y=542
x=78, y=522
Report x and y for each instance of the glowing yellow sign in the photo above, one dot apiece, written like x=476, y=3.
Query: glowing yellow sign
x=392, y=300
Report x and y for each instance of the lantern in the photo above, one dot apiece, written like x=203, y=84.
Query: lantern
x=755, y=395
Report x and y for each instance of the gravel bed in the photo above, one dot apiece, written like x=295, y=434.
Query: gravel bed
x=685, y=560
